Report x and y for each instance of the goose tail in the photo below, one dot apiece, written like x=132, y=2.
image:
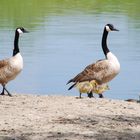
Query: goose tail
x=71, y=80
x=71, y=86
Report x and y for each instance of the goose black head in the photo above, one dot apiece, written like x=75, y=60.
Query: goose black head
x=21, y=30
x=110, y=27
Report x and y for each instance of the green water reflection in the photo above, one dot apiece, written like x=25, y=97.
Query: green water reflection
x=32, y=12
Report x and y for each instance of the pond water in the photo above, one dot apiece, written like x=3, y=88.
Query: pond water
x=65, y=36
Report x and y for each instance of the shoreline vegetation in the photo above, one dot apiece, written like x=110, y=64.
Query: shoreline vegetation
x=37, y=117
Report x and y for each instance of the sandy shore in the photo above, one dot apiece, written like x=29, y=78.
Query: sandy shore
x=30, y=117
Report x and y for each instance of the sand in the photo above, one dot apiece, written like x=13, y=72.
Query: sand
x=32, y=117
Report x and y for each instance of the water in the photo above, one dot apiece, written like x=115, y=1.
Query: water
x=65, y=36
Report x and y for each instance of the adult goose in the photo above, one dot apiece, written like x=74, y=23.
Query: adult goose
x=11, y=67
x=102, y=71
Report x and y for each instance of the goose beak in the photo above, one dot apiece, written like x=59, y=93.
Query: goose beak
x=115, y=29
x=25, y=31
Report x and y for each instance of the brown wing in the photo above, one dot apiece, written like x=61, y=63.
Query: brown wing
x=4, y=69
x=3, y=63
x=96, y=71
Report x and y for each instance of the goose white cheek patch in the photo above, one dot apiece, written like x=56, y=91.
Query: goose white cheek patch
x=19, y=30
x=107, y=28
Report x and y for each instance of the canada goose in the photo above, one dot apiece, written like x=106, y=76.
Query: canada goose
x=11, y=67
x=102, y=71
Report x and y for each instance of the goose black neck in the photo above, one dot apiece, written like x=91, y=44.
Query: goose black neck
x=16, y=47
x=104, y=42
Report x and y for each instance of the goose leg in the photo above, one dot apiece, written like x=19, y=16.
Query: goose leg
x=80, y=95
x=7, y=91
x=2, y=91
x=101, y=96
x=90, y=95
